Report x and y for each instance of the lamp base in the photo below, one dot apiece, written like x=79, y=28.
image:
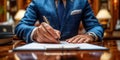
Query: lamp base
x=104, y=23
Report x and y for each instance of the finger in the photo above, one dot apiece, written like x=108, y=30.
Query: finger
x=58, y=33
x=71, y=39
x=48, y=38
x=86, y=41
x=50, y=30
x=81, y=40
x=45, y=33
x=41, y=37
x=40, y=40
x=76, y=40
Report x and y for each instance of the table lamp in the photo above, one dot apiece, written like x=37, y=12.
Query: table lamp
x=19, y=15
x=103, y=17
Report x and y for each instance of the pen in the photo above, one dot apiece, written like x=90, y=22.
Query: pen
x=46, y=20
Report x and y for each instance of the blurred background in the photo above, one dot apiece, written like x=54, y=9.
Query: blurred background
x=106, y=11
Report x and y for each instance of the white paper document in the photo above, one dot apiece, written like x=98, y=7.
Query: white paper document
x=62, y=46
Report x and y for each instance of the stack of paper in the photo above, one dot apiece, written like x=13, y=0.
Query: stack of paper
x=62, y=46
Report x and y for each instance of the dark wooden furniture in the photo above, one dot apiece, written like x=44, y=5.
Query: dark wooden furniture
x=113, y=8
x=22, y=4
x=115, y=35
x=112, y=54
x=3, y=9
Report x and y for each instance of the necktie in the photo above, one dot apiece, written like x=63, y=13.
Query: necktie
x=60, y=9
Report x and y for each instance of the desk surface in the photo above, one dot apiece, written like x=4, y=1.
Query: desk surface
x=112, y=54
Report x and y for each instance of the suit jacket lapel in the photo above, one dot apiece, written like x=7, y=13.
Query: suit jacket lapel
x=54, y=13
x=54, y=7
x=69, y=6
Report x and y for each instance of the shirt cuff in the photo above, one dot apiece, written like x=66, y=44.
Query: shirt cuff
x=95, y=37
x=31, y=36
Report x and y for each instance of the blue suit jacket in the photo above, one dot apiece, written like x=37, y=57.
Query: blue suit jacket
x=68, y=26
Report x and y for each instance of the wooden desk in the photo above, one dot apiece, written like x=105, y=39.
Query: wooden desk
x=112, y=54
x=115, y=35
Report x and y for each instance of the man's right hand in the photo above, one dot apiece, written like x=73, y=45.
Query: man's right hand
x=46, y=34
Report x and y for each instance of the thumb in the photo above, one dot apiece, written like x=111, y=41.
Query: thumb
x=58, y=33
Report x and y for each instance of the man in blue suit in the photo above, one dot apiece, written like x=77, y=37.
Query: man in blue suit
x=64, y=20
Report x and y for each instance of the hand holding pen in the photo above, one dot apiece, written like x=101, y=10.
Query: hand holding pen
x=45, y=33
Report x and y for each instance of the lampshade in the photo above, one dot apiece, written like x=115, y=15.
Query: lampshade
x=103, y=14
x=19, y=15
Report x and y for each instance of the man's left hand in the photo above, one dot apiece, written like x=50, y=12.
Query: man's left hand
x=84, y=38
